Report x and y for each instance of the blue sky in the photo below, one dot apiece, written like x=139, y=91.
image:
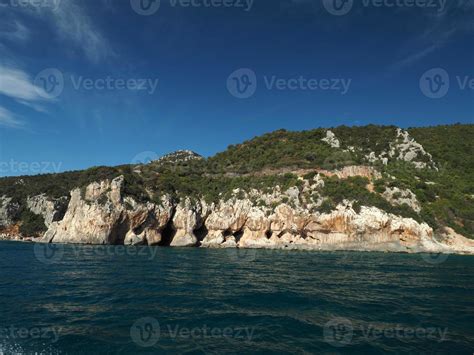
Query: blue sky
x=97, y=82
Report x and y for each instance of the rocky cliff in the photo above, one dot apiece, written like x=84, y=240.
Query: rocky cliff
x=102, y=214
x=317, y=190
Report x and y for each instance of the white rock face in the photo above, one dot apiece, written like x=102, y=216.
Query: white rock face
x=404, y=148
x=52, y=210
x=332, y=140
x=399, y=197
x=101, y=214
x=8, y=211
x=358, y=170
x=407, y=149
x=180, y=156
x=188, y=218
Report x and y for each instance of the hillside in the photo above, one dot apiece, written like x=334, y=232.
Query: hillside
x=422, y=173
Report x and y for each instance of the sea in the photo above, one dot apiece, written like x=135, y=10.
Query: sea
x=69, y=299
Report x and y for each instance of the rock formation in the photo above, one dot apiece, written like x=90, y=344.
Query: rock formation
x=52, y=210
x=8, y=211
x=313, y=190
x=102, y=214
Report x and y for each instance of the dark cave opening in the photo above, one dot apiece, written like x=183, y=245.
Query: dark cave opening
x=118, y=233
x=167, y=234
x=201, y=232
x=238, y=235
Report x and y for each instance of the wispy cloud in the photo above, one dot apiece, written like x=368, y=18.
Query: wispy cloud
x=74, y=25
x=17, y=84
x=8, y=119
x=14, y=31
x=425, y=47
x=439, y=31
x=34, y=106
x=68, y=18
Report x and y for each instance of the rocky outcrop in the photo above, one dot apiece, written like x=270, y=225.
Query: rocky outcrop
x=52, y=210
x=102, y=215
x=402, y=148
x=188, y=218
x=346, y=172
x=405, y=148
x=399, y=197
x=8, y=211
x=279, y=219
x=332, y=140
x=179, y=156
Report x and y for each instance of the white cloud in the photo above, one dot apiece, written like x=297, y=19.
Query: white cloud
x=439, y=31
x=14, y=31
x=8, y=119
x=74, y=25
x=34, y=106
x=68, y=18
x=17, y=84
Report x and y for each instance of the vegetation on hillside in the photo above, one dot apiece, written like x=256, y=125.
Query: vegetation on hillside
x=446, y=195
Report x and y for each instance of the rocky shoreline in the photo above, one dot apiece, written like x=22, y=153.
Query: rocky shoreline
x=102, y=214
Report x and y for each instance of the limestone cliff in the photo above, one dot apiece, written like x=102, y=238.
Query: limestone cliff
x=351, y=188
x=102, y=214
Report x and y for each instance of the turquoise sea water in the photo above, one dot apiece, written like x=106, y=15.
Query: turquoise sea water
x=149, y=300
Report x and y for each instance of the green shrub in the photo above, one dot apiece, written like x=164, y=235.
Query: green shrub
x=31, y=224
